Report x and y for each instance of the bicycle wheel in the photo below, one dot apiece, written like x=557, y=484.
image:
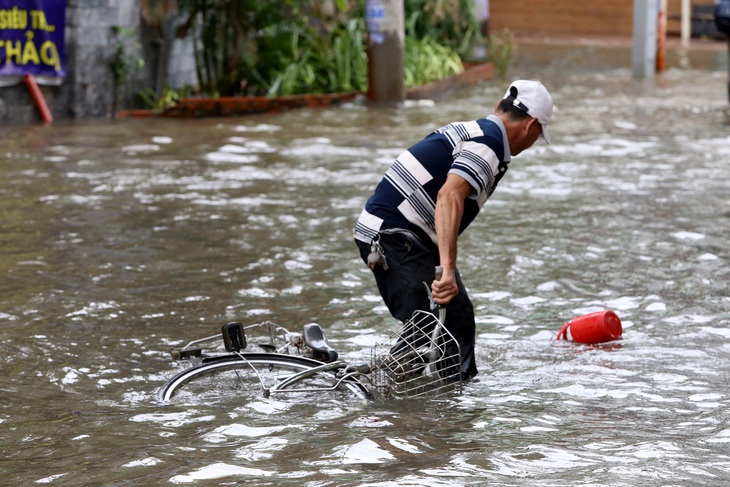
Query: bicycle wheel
x=253, y=372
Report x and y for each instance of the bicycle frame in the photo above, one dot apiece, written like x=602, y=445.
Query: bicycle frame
x=422, y=358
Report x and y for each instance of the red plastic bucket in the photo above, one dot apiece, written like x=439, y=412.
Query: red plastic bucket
x=598, y=327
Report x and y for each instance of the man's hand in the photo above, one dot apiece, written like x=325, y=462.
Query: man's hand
x=445, y=289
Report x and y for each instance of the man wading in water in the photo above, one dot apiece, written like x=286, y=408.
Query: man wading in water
x=431, y=193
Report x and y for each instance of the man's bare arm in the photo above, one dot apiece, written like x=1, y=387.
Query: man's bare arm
x=449, y=212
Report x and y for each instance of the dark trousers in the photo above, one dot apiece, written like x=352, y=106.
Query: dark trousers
x=410, y=264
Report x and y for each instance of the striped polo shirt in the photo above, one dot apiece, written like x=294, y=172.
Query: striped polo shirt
x=405, y=199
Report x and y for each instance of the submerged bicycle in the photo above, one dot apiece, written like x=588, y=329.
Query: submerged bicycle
x=422, y=358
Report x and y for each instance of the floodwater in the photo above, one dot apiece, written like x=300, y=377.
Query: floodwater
x=121, y=239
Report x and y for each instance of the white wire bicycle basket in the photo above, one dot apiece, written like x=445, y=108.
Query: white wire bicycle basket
x=422, y=358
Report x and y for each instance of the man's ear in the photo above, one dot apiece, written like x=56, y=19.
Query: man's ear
x=530, y=124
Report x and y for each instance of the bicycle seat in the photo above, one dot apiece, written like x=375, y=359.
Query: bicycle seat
x=234, y=337
x=315, y=339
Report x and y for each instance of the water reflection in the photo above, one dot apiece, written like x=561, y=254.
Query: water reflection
x=122, y=239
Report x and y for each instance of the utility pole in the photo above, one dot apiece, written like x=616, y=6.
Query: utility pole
x=728, y=66
x=686, y=23
x=386, y=41
x=643, y=55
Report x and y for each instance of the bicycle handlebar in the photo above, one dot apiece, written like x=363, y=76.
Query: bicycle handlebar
x=438, y=274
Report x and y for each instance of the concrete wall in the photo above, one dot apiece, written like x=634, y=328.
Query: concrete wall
x=573, y=17
x=88, y=91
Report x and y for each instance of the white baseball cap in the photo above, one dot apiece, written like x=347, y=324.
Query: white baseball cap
x=533, y=98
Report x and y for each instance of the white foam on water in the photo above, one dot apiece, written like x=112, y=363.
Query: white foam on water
x=690, y=319
x=292, y=265
x=293, y=290
x=263, y=127
x=235, y=149
x=366, y=339
x=625, y=125
x=172, y=419
x=492, y=296
x=404, y=445
x=50, y=478
x=688, y=235
x=195, y=299
x=219, y=471
x=143, y=462
x=268, y=406
x=542, y=336
x=656, y=307
x=703, y=398
x=538, y=429
x=143, y=148
x=321, y=147
x=93, y=309
x=363, y=452
x=527, y=301
x=624, y=303
x=255, y=293
x=549, y=286
x=723, y=332
x=370, y=422
x=55, y=158
x=707, y=257
x=720, y=437
x=221, y=433
x=261, y=450
x=253, y=202
x=495, y=320
x=228, y=157
x=71, y=377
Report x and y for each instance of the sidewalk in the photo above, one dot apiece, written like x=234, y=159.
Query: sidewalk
x=673, y=42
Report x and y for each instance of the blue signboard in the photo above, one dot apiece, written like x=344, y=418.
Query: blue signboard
x=374, y=20
x=31, y=37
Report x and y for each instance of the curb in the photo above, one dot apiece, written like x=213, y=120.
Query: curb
x=228, y=106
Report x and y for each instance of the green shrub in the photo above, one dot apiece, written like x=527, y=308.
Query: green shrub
x=285, y=47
